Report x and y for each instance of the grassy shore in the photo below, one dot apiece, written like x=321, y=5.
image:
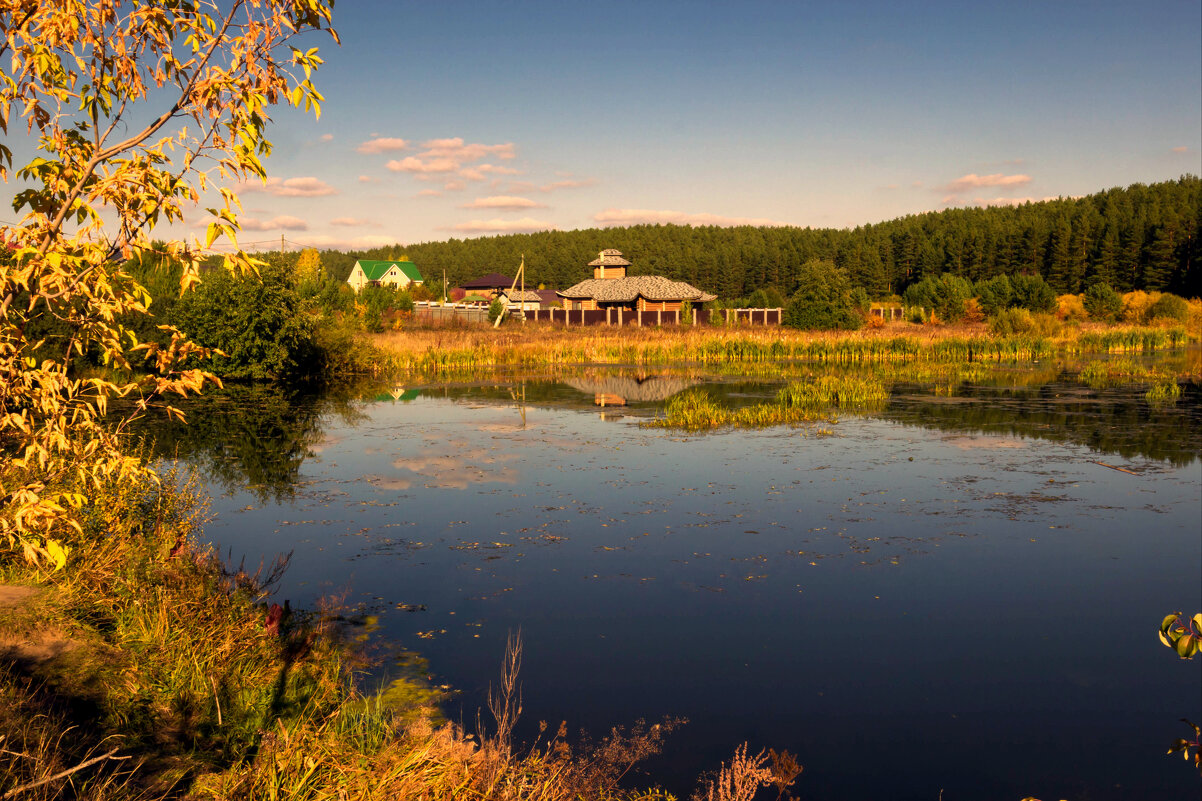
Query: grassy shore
x=461, y=349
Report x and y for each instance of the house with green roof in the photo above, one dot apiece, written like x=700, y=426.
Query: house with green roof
x=369, y=272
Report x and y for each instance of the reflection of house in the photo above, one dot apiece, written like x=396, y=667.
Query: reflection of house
x=611, y=288
x=618, y=390
x=489, y=286
x=399, y=274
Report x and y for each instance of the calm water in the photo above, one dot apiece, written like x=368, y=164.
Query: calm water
x=948, y=594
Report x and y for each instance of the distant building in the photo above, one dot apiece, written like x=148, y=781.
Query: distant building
x=491, y=285
x=528, y=300
x=611, y=288
x=400, y=274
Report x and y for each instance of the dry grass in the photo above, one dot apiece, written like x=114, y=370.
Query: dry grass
x=443, y=351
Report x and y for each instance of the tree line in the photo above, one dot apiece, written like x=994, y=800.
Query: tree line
x=1144, y=236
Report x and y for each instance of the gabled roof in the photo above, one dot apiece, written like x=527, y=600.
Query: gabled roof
x=625, y=290
x=490, y=281
x=376, y=270
x=518, y=296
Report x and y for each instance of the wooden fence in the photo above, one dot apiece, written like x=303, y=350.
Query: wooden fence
x=718, y=317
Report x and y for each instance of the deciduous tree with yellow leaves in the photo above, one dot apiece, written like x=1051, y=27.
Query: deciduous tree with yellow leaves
x=134, y=111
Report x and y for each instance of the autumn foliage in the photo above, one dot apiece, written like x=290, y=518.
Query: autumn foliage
x=120, y=115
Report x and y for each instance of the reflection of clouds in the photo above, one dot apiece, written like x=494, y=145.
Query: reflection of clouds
x=500, y=428
x=991, y=443
x=380, y=482
x=325, y=443
x=458, y=471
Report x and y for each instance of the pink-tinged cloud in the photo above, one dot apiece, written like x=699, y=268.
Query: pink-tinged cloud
x=502, y=202
x=352, y=222
x=454, y=186
x=457, y=150
x=327, y=137
x=429, y=193
x=382, y=145
x=1181, y=149
x=283, y=222
x=972, y=181
x=567, y=183
x=611, y=217
x=421, y=164
x=290, y=187
x=367, y=179
x=525, y=225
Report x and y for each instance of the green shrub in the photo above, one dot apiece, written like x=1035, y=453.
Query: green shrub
x=1009, y=322
x=1169, y=306
x=495, y=309
x=1033, y=293
x=823, y=300
x=256, y=321
x=947, y=295
x=994, y=295
x=1102, y=302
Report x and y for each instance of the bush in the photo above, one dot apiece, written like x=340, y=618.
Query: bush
x=1169, y=306
x=1136, y=305
x=1031, y=292
x=1070, y=307
x=257, y=323
x=1102, y=303
x=824, y=299
x=495, y=309
x=994, y=295
x=947, y=295
x=1009, y=322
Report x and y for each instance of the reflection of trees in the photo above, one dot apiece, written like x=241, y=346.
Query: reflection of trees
x=252, y=437
x=1116, y=421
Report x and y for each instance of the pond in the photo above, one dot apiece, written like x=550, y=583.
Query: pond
x=954, y=594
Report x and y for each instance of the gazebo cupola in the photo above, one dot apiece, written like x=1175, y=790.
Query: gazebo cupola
x=609, y=264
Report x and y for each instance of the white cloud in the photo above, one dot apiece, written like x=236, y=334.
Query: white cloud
x=283, y=222
x=502, y=202
x=651, y=217
x=382, y=145
x=525, y=225
x=972, y=181
x=307, y=186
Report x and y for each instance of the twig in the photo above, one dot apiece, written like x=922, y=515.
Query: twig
x=1120, y=469
x=66, y=772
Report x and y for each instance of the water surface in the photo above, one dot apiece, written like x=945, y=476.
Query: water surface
x=956, y=592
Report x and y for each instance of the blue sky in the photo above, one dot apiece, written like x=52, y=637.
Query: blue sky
x=464, y=119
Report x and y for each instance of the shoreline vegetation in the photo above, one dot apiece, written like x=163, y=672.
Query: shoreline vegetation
x=450, y=350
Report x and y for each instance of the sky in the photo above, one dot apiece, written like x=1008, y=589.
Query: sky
x=456, y=119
